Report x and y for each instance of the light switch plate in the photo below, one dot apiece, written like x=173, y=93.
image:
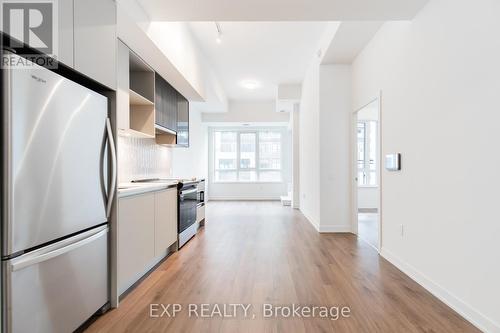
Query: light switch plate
x=393, y=162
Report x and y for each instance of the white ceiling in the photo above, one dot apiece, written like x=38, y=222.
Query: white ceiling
x=281, y=10
x=271, y=53
x=350, y=38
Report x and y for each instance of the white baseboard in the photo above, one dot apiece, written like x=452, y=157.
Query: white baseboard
x=335, y=228
x=212, y=198
x=473, y=316
x=310, y=220
x=326, y=228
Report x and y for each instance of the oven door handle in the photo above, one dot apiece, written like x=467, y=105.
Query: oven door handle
x=194, y=190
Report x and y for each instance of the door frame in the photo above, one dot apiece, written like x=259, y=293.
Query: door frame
x=354, y=167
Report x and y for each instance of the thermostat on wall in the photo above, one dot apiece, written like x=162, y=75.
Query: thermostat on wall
x=393, y=162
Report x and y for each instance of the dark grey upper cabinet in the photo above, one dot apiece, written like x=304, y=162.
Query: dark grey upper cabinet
x=182, y=121
x=165, y=104
x=172, y=111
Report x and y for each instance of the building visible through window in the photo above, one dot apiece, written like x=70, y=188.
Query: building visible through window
x=367, y=153
x=247, y=156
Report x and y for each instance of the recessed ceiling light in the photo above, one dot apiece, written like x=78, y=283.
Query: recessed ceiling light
x=250, y=84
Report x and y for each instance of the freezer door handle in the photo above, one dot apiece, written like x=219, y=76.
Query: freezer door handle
x=112, y=187
x=35, y=257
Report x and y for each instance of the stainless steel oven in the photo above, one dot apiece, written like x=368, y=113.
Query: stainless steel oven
x=188, y=202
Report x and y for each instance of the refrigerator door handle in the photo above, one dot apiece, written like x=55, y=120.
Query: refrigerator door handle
x=35, y=258
x=112, y=187
x=7, y=190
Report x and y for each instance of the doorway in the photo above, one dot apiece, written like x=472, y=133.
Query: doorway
x=367, y=173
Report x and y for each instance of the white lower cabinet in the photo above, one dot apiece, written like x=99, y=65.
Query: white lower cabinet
x=165, y=220
x=147, y=227
x=136, y=227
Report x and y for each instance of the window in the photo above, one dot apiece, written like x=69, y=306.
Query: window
x=269, y=155
x=367, y=153
x=247, y=156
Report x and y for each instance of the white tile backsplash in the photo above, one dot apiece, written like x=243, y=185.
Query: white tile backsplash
x=142, y=158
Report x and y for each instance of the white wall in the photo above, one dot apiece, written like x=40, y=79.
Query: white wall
x=368, y=197
x=248, y=111
x=246, y=191
x=310, y=146
x=335, y=159
x=136, y=12
x=440, y=82
x=215, y=96
x=295, y=124
x=192, y=161
x=309, y=129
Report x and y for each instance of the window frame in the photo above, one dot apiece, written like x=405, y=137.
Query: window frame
x=238, y=169
x=367, y=151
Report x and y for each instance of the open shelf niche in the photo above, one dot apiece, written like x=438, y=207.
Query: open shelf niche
x=165, y=137
x=141, y=97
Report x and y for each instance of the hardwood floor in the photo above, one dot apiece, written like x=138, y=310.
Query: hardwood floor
x=261, y=252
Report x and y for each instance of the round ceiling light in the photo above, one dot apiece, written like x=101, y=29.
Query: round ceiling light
x=250, y=84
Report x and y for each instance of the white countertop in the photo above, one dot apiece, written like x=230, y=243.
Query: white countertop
x=129, y=189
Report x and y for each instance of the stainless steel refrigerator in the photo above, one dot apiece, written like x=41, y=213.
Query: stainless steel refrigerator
x=56, y=200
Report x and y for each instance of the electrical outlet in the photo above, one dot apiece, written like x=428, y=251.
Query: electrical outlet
x=402, y=230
